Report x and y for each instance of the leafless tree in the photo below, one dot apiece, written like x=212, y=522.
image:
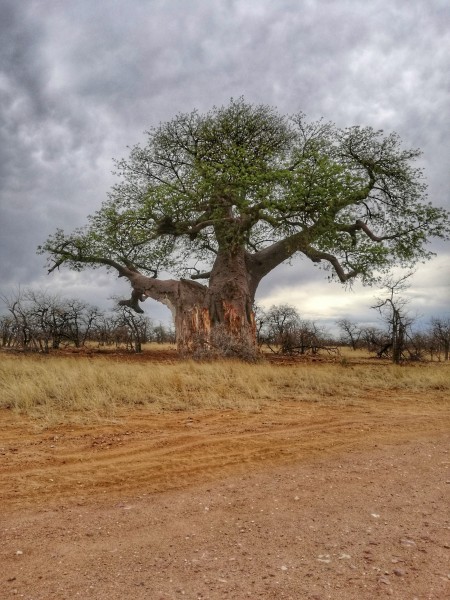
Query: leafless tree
x=375, y=340
x=278, y=325
x=7, y=331
x=40, y=320
x=162, y=334
x=134, y=329
x=394, y=313
x=441, y=334
x=23, y=327
x=81, y=321
x=350, y=333
x=284, y=331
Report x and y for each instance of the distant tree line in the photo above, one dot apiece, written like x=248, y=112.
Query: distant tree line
x=39, y=321
x=282, y=330
x=399, y=341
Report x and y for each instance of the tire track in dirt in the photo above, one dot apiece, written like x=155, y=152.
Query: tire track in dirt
x=155, y=452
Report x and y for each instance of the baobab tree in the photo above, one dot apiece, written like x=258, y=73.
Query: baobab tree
x=228, y=196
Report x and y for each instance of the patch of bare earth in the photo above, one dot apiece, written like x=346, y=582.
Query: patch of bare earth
x=299, y=500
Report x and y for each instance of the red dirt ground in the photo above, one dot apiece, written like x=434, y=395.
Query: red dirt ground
x=297, y=501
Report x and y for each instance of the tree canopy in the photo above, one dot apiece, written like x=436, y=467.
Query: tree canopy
x=244, y=181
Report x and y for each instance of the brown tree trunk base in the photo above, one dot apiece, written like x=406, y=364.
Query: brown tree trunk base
x=210, y=321
x=202, y=337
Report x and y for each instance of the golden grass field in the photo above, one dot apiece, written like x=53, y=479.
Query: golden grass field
x=77, y=388
x=110, y=463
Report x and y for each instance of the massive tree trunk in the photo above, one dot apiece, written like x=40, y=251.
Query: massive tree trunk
x=214, y=320
x=230, y=306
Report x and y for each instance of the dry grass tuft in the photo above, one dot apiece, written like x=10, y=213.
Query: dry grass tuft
x=61, y=389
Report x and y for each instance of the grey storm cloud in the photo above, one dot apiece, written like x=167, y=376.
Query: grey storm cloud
x=79, y=81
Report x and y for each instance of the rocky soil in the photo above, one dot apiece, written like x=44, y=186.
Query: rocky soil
x=298, y=501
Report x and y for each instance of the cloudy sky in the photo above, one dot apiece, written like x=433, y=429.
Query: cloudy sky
x=80, y=81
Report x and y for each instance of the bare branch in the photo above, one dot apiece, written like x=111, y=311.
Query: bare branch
x=201, y=275
x=123, y=271
x=317, y=256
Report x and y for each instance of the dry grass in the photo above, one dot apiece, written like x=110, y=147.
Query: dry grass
x=112, y=348
x=61, y=389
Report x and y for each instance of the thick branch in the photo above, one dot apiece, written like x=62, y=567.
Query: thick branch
x=66, y=256
x=167, y=291
x=317, y=256
x=264, y=261
x=201, y=275
x=167, y=226
x=133, y=302
x=361, y=226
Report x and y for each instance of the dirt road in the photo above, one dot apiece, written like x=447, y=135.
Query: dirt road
x=298, y=500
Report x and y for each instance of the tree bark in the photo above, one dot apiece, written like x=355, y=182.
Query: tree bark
x=230, y=305
x=214, y=320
